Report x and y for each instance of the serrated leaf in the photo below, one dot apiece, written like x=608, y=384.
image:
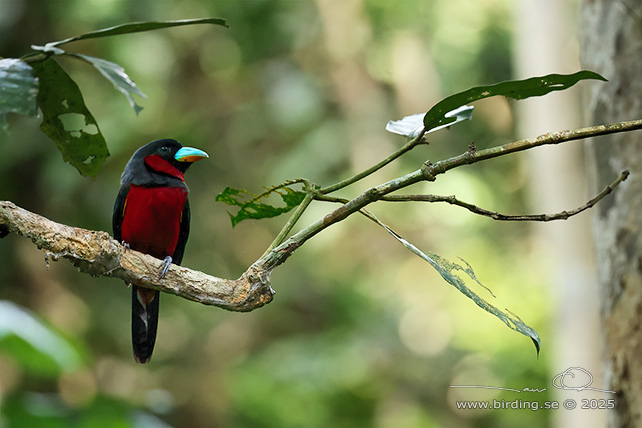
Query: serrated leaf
x=447, y=270
x=137, y=27
x=117, y=76
x=67, y=121
x=515, y=89
x=251, y=207
x=18, y=89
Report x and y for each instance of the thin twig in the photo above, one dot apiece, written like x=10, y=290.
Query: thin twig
x=351, y=180
x=503, y=217
x=283, y=234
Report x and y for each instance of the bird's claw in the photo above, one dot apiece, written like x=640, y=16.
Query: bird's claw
x=167, y=261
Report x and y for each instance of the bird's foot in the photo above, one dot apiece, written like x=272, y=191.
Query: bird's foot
x=126, y=245
x=167, y=261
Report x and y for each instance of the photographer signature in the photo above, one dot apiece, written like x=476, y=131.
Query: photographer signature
x=559, y=382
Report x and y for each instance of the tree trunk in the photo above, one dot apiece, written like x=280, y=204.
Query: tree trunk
x=543, y=45
x=611, y=44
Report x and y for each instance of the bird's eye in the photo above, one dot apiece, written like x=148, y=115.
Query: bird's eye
x=164, y=149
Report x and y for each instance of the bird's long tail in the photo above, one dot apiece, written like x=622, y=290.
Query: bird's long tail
x=144, y=322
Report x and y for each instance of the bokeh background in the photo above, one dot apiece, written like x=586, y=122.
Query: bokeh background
x=361, y=332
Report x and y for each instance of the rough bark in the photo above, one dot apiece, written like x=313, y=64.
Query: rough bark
x=611, y=44
x=97, y=253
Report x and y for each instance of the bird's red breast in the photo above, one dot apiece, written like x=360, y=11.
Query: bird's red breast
x=151, y=219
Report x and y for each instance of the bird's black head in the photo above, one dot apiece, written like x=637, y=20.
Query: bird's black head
x=160, y=163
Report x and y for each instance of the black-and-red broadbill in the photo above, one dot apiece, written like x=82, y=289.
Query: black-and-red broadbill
x=151, y=215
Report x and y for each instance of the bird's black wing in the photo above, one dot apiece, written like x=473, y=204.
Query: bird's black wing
x=119, y=213
x=182, y=235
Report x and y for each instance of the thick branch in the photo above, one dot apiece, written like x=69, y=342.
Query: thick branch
x=97, y=253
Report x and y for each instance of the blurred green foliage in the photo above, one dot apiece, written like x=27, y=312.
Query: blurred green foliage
x=360, y=333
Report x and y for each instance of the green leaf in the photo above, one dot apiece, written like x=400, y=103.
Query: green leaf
x=447, y=271
x=110, y=70
x=137, y=27
x=18, y=89
x=67, y=121
x=117, y=76
x=516, y=89
x=33, y=344
x=252, y=208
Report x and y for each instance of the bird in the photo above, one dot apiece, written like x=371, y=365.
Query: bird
x=152, y=215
